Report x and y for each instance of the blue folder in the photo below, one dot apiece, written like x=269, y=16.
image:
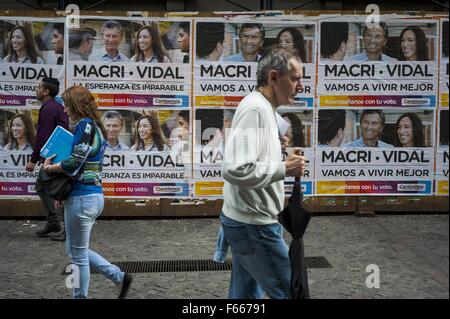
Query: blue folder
x=59, y=143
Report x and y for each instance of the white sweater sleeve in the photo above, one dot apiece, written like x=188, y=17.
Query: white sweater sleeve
x=242, y=163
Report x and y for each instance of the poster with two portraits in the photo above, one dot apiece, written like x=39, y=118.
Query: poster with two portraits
x=377, y=102
x=225, y=62
x=139, y=73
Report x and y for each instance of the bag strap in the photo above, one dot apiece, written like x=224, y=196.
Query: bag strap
x=91, y=142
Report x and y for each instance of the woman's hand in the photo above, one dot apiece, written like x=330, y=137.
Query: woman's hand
x=59, y=204
x=48, y=161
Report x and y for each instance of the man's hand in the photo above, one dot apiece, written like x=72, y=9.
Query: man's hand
x=295, y=163
x=284, y=142
x=30, y=166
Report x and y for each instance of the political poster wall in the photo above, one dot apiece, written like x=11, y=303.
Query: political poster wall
x=371, y=117
x=442, y=149
x=226, y=55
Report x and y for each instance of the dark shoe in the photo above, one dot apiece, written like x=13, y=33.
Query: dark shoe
x=49, y=228
x=61, y=236
x=125, y=285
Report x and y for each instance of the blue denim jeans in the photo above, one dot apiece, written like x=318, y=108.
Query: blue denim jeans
x=260, y=260
x=221, y=247
x=80, y=213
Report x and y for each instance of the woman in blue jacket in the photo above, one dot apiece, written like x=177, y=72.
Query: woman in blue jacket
x=85, y=201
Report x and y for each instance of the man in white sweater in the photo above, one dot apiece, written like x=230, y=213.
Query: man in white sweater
x=254, y=181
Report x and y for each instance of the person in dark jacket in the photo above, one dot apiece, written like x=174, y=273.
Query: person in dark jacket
x=51, y=115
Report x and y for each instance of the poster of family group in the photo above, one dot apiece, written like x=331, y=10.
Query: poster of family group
x=371, y=116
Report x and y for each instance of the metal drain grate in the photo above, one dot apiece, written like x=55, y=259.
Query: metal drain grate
x=191, y=265
x=317, y=262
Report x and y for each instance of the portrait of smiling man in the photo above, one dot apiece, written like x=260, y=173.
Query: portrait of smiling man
x=371, y=124
x=251, y=39
x=113, y=123
x=112, y=34
x=375, y=40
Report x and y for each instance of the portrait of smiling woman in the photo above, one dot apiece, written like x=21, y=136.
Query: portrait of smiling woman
x=148, y=46
x=292, y=38
x=21, y=134
x=148, y=135
x=409, y=131
x=22, y=47
x=413, y=45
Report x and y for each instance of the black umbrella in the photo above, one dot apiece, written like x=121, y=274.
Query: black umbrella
x=295, y=219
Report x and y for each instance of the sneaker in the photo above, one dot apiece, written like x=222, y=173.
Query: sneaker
x=125, y=285
x=49, y=228
x=61, y=236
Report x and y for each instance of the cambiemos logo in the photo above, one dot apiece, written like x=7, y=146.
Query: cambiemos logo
x=167, y=101
x=411, y=187
x=167, y=189
x=33, y=102
x=416, y=101
x=300, y=103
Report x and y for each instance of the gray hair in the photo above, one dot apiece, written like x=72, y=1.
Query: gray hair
x=371, y=111
x=111, y=24
x=108, y=115
x=276, y=58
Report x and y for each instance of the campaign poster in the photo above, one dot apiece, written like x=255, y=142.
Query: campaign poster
x=375, y=151
x=442, y=154
x=227, y=52
x=443, y=70
x=390, y=63
x=212, y=126
x=148, y=153
x=300, y=134
x=30, y=49
x=212, y=131
x=17, y=137
x=131, y=62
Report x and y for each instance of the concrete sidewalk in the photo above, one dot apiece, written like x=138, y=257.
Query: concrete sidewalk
x=411, y=251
